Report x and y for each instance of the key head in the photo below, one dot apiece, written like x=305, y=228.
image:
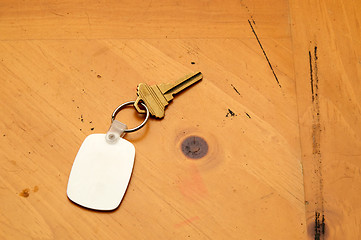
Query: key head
x=153, y=98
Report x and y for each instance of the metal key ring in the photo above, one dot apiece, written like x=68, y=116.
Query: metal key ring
x=131, y=103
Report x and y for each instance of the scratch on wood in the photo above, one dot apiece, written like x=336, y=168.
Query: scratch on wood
x=235, y=89
x=311, y=74
x=266, y=196
x=253, y=20
x=320, y=227
x=57, y=14
x=264, y=53
x=316, y=145
x=88, y=18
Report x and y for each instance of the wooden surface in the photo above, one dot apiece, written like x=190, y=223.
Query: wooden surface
x=327, y=57
x=286, y=165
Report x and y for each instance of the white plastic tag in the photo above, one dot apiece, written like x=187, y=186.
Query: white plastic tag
x=101, y=172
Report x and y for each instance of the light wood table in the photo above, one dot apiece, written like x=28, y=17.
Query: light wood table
x=279, y=108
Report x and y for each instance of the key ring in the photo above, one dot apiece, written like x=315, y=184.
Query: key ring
x=116, y=111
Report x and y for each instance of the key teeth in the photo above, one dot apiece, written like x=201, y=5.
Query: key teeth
x=138, y=89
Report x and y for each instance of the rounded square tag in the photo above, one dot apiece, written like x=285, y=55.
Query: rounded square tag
x=101, y=172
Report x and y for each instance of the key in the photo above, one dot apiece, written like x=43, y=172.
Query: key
x=157, y=97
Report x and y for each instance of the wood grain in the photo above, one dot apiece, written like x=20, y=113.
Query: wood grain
x=65, y=66
x=140, y=19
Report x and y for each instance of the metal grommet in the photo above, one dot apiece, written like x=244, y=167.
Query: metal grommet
x=131, y=103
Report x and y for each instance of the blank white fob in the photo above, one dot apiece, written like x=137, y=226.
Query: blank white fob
x=101, y=172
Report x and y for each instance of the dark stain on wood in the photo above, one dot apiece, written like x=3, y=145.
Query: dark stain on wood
x=194, y=147
x=264, y=53
x=317, y=229
x=247, y=115
x=25, y=193
x=230, y=113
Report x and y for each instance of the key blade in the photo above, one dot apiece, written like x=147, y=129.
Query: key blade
x=157, y=97
x=169, y=90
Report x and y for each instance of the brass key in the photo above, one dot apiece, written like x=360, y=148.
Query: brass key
x=157, y=97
